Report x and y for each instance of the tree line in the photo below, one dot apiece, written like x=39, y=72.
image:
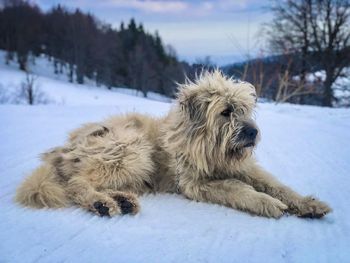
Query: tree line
x=83, y=46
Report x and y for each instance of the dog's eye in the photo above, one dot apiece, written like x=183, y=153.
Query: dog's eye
x=226, y=113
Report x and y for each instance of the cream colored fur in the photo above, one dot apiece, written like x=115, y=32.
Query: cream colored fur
x=199, y=150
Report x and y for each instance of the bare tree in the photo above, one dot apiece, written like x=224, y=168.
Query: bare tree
x=29, y=91
x=330, y=23
x=317, y=31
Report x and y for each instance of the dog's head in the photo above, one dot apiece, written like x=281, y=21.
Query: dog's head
x=216, y=114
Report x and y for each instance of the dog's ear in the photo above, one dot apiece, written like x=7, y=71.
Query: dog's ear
x=193, y=105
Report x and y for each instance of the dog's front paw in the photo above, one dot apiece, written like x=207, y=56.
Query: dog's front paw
x=275, y=208
x=105, y=207
x=269, y=207
x=127, y=203
x=310, y=207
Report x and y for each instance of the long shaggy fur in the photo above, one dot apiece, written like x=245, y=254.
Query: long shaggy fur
x=202, y=149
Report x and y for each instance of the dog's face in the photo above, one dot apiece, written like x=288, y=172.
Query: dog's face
x=218, y=113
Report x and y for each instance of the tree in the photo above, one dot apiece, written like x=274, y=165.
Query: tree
x=330, y=32
x=317, y=34
x=29, y=91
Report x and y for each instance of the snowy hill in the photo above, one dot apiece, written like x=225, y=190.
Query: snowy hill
x=307, y=148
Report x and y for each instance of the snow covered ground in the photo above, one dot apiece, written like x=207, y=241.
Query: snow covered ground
x=308, y=148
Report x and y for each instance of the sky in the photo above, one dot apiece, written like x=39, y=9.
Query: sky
x=227, y=31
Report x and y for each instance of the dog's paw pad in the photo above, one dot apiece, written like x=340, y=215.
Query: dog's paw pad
x=101, y=209
x=126, y=206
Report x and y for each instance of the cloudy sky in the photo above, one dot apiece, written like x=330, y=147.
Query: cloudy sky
x=225, y=30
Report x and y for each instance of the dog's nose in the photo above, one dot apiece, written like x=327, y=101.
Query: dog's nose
x=250, y=133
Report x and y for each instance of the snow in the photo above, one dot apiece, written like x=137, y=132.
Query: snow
x=307, y=148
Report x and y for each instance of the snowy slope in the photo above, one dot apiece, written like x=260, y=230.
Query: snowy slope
x=307, y=148
x=61, y=92
x=57, y=88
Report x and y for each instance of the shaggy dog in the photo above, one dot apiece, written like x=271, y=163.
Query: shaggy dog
x=201, y=149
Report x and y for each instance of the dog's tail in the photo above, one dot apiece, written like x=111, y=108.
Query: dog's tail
x=41, y=189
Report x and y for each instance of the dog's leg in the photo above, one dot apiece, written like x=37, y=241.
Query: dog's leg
x=301, y=206
x=235, y=194
x=82, y=193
